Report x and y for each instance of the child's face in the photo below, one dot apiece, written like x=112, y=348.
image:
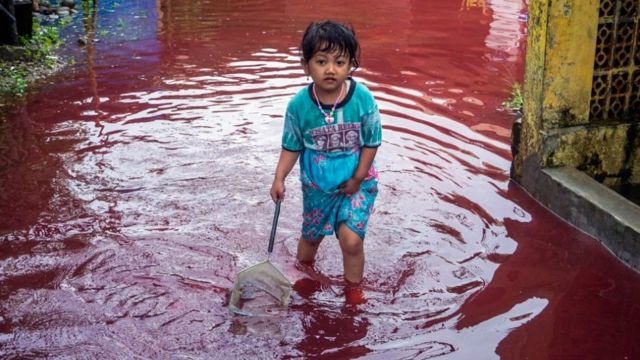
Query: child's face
x=328, y=70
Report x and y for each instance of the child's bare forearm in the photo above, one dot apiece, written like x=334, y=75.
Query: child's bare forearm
x=366, y=159
x=286, y=162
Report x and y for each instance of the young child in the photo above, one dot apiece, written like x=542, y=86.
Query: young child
x=333, y=127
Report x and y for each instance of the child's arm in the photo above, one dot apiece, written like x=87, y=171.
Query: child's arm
x=285, y=164
x=352, y=185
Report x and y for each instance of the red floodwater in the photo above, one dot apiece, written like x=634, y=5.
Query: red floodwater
x=135, y=188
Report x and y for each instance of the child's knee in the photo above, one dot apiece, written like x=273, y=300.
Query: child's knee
x=352, y=248
x=350, y=242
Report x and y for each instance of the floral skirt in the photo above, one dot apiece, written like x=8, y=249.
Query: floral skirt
x=323, y=212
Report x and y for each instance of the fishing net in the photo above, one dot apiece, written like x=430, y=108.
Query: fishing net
x=259, y=289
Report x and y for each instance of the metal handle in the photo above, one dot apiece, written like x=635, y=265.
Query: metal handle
x=274, y=225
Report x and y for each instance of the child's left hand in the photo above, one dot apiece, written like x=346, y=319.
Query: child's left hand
x=350, y=186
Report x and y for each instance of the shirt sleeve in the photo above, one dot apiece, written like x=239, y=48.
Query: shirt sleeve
x=292, y=134
x=372, y=128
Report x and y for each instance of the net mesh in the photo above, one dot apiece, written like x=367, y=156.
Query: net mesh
x=258, y=289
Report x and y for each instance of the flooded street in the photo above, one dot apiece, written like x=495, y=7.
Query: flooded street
x=134, y=189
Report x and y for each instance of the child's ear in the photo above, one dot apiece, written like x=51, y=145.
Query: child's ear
x=305, y=65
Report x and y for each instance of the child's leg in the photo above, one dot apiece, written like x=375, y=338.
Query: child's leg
x=307, y=249
x=352, y=254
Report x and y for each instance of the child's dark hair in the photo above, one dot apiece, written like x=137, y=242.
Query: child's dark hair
x=330, y=36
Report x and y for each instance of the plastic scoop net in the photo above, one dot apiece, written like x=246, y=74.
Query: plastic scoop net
x=261, y=288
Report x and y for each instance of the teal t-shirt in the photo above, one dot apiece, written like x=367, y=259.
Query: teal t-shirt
x=330, y=151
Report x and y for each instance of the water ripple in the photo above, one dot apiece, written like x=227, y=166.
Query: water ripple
x=133, y=203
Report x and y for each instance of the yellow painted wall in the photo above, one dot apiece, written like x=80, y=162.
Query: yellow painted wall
x=556, y=129
x=569, y=54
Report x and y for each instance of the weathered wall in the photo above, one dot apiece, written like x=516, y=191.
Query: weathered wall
x=635, y=162
x=582, y=90
x=581, y=117
x=597, y=151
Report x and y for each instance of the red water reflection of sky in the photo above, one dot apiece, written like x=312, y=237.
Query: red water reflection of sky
x=135, y=187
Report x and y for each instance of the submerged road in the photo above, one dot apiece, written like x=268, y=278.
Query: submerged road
x=135, y=188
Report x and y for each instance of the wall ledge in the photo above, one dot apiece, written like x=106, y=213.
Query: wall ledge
x=589, y=206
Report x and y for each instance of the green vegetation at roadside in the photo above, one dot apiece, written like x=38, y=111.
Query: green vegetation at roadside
x=41, y=45
x=516, y=101
x=38, y=56
x=13, y=77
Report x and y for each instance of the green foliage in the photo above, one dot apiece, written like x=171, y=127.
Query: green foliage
x=13, y=77
x=64, y=21
x=39, y=50
x=41, y=45
x=87, y=7
x=516, y=101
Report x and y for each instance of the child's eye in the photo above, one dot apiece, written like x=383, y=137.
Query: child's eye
x=321, y=61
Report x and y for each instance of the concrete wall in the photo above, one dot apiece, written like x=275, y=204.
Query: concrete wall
x=580, y=129
x=582, y=90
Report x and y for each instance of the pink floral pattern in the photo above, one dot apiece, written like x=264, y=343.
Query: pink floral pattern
x=373, y=173
x=356, y=200
x=324, y=212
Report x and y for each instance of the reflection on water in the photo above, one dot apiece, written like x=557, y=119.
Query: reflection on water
x=134, y=190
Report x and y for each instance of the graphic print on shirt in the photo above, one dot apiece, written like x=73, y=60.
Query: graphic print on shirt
x=336, y=137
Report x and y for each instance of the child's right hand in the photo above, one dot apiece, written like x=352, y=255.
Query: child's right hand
x=277, y=190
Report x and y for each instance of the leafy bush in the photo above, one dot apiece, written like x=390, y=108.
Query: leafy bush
x=13, y=77
x=40, y=47
x=516, y=101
